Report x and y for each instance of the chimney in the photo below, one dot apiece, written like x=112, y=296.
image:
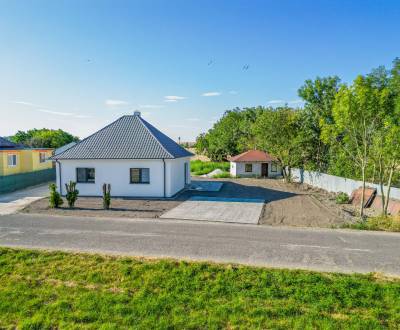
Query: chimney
x=136, y=113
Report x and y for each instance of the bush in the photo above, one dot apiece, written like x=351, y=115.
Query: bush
x=198, y=167
x=342, y=198
x=385, y=223
x=106, y=196
x=55, y=199
x=72, y=193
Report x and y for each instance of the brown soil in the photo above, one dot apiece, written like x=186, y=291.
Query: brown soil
x=93, y=207
x=285, y=204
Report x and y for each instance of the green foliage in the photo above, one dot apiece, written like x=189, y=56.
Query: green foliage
x=44, y=138
x=382, y=222
x=61, y=290
x=342, y=198
x=198, y=167
x=55, y=199
x=106, y=196
x=72, y=193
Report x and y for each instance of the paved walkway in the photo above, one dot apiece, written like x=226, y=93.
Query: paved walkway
x=219, y=209
x=17, y=200
x=315, y=249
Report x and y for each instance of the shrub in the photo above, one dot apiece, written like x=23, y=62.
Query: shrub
x=198, y=167
x=342, y=198
x=55, y=199
x=106, y=196
x=72, y=193
x=385, y=223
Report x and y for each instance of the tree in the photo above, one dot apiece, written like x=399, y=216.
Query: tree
x=358, y=113
x=44, y=138
x=319, y=96
x=277, y=131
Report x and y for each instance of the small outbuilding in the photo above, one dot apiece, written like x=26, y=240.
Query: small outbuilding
x=131, y=155
x=255, y=163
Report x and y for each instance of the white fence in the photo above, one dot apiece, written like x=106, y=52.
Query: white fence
x=334, y=183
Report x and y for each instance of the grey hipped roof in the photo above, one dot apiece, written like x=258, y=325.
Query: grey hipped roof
x=129, y=137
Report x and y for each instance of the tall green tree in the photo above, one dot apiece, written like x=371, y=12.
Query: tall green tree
x=277, y=131
x=44, y=138
x=319, y=96
x=358, y=113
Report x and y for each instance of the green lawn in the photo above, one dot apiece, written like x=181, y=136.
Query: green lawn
x=198, y=167
x=40, y=290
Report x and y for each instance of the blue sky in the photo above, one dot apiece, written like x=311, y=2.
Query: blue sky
x=78, y=65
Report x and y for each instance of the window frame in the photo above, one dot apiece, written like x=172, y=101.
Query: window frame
x=251, y=167
x=140, y=175
x=86, y=174
x=274, y=165
x=40, y=157
x=13, y=156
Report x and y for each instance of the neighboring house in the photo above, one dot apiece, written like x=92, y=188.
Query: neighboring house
x=254, y=163
x=17, y=159
x=131, y=155
x=63, y=148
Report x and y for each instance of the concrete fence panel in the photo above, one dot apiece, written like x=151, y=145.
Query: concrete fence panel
x=334, y=183
x=13, y=182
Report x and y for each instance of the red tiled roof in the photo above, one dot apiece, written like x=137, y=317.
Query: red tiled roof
x=253, y=156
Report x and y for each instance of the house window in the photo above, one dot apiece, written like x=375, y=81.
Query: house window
x=140, y=175
x=12, y=160
x=274, y=167
x=85, y=175
x=42, y=157
x=248, y=167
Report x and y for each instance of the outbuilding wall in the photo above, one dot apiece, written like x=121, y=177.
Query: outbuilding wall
x=238, y=169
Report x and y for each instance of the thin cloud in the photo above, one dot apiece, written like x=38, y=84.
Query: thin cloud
x=276, y=101
x=211, y=94
x=173, y=98
x=55, y=112
x=115, y=103
x=296, y=102
x=25, y=103
x=150, y=106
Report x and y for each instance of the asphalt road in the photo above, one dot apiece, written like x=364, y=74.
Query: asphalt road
x=316, y=249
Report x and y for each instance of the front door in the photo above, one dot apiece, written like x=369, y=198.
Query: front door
x=264, y=169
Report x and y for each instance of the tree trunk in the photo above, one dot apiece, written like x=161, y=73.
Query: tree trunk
x=381, y=183
x=363, y=192
x=385, y=209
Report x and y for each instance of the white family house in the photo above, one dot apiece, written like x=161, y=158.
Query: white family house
x=130, y=154
x=254, y=163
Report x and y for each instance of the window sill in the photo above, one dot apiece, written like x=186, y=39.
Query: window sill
x=139, y=182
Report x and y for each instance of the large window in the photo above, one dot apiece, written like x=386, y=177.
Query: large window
x=85, y=175
x=248, y=167
x=42, y=157
x=140, y=175
x=274, y=167
x=12, y=160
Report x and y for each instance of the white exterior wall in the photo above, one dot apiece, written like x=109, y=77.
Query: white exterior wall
x=238, y=169
x=176, y=174
x=117, y=173
x=336, y=184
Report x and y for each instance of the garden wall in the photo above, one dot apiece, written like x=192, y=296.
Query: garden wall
x=13, y=182
x=334, y=183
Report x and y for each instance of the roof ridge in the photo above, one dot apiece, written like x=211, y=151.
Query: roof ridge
x=145, y=123
x=78, y=143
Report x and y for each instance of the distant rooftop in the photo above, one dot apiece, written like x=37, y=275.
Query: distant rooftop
x=253, y=156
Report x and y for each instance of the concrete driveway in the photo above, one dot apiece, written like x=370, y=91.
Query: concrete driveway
x=17, y=200
x=219, y=209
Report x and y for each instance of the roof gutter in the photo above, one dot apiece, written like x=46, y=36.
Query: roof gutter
x=164, y=175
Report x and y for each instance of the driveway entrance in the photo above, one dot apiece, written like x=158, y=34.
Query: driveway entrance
x=204, y=208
